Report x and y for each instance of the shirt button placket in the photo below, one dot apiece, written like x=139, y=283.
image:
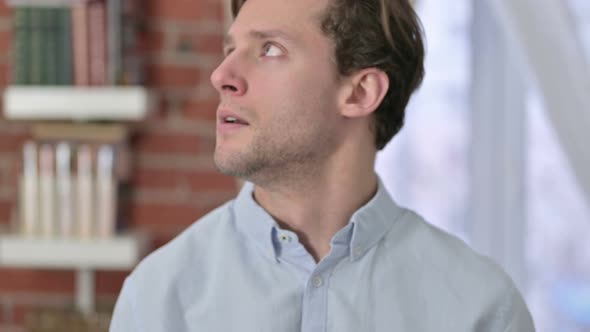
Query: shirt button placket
x=314, y=315
x=317, y=282
x=357, y=252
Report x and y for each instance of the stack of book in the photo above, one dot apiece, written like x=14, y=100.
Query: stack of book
x=76, y=42
x=68, y=190
x=70, y=320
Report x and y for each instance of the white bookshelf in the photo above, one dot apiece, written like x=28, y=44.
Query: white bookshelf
x=122, y=252
x=118, y=253
x=117, y=103
x=43, y=3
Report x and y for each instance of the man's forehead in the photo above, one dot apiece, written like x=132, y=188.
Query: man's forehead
x=280, y=14
x=289, y=7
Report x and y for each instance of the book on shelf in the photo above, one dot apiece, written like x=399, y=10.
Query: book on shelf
x=81, y=49
x=114, y=49
x=65, y=70
x=35, y=50
x=41, y=43
x=49, y=46
x=21, y=45
x=69, y=189
x=98, y=42
x=79, y=42
x=132, y=59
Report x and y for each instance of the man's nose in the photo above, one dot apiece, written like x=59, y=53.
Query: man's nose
x=227, y=78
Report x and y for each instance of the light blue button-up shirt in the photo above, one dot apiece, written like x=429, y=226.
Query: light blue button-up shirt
x=388, y=270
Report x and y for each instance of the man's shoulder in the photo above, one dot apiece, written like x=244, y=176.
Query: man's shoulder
x=441, y=269
x=446, y=255
x=170, y=260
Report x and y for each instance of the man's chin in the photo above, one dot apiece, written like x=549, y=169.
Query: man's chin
x=231, y=167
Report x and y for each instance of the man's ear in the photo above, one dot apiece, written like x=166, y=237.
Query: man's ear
x=363, y=92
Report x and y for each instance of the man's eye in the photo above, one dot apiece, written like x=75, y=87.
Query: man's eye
x=271, y=50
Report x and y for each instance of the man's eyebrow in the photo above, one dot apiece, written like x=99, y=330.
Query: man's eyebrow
x=261, y=34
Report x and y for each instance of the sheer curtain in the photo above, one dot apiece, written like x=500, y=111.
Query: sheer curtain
x=544, y=32
x=510, y=173
x=425, y=167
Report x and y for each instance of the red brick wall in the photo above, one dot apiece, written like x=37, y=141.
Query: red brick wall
x=174, y=181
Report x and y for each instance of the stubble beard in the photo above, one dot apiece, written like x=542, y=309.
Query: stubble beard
x=268, y=162
x=242, y=164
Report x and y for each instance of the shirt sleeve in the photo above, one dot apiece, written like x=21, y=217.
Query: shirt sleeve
x=123, y=319
x=508, y=314
x=519, y=317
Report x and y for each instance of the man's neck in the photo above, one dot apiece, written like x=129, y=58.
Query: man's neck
x=319, y=206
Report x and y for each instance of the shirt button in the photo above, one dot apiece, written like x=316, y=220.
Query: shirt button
x=317, y=282
x=285, y=238
x=357, y=252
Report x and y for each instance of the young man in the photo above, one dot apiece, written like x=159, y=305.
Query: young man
x=310, y=90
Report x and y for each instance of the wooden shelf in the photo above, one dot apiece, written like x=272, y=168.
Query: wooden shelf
x=119, y=253
x=102, y=133
x=42, y=3
x=84, y=256
x=125, y=103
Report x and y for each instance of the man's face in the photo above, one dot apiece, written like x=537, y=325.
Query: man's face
x=278, y=85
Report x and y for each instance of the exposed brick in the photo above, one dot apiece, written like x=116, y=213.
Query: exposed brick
x=158, y=240
x=10, y=170
x=19, y=303
x=161, y=218
x=4, y=74
x=195, y=180
x=14, y=127
x=154, y=41
x=13, y=315
x=10, y=176
x=13, y=174
x=19, y=314
x=202, y=110
x=187, y=10
x=170, y=101
x=167, y=143
x=28, y=315
x=202, y=43
x=23, y=280
x=5, y=10
x=12, y=328
x=11, y=142
x=109, y=282
x=160, y=111
x=164, y=75
x=5, y=40
x=6, y=212
x=208, y=145
x=163, y=230
x=184, y=68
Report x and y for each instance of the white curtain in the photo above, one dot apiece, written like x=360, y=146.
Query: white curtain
x=544, y=32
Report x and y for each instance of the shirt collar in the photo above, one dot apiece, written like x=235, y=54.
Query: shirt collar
x=252, y=220
x=367, y=225
x=372, y=221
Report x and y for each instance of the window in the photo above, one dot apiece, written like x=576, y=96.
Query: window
x=428, y=167
x=425, y=166
x=558, y=250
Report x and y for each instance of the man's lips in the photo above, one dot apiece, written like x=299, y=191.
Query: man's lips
x=229, y=117
x=228, y=121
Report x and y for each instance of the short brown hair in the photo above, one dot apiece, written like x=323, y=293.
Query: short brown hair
x=385, y=34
